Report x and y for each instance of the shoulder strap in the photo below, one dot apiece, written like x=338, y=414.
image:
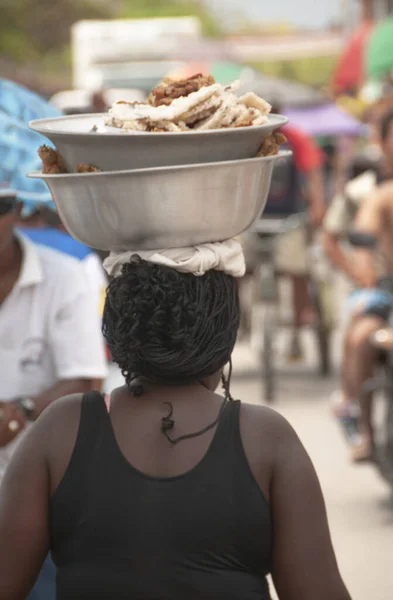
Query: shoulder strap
x=225, y=436
x=78, y=473
x=93, y=415
x=93, y=406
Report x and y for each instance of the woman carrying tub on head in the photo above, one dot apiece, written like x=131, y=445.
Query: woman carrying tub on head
x=176, y=492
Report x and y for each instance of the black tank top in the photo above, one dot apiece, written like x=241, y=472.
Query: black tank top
x=118, y=534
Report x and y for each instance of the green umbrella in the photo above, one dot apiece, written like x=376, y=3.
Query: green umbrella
x=379, y=55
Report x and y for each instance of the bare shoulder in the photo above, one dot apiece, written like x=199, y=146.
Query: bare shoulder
x=66, y=408
x=267, y=439
x=59, y=422
x=58, y=428
x=53, y=435
x=264, y=420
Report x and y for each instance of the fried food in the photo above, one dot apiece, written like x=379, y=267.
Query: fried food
x=169, y=90
x=52, y=163
x=251, y=100
x=271, y=144
x=84, y=168
x=138, y=117
x=197, y=103
x=200, y=113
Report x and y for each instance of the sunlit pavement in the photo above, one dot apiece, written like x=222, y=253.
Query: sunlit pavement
x=358, y=501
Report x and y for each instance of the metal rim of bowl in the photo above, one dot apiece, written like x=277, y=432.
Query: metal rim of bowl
x=36, y=123
x=151, y=170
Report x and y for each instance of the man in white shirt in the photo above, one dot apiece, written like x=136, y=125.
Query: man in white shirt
x=43, y=226
x=50, y=339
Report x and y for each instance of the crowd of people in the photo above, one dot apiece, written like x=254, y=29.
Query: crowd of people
x=164, y=488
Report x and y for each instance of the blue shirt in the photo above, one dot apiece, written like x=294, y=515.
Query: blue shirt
x=19, y=144
x=57, y=240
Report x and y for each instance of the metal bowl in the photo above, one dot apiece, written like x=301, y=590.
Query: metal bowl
x=117, y=150
x=166, y=207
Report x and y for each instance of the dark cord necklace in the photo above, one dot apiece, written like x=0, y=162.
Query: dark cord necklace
x=167, y=423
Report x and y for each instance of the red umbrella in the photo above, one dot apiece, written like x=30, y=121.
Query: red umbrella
x=350, y=70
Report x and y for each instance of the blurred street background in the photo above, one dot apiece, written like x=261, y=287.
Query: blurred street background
x=360, y=505
x=328, y=66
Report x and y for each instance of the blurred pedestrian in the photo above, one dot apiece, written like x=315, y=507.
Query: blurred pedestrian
x=297, y=185
x=364, y=179
x=292, y=253
x=167, y=490
x=50, y=339
x=43, y=226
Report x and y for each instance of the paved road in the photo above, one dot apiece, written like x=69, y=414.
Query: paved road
x=359, y=503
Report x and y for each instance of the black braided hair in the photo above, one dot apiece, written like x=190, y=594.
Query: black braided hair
x=168, y=327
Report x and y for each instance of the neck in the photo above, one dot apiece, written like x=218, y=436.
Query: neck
x=10, y=257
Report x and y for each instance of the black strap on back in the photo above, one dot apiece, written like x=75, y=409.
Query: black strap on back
x=93, y=417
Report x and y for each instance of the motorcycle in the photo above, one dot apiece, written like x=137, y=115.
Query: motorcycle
x=382, y=341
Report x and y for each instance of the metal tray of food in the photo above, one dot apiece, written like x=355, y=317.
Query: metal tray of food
x=163, y=207
x=116, y=150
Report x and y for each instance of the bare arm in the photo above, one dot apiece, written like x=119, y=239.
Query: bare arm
x=25, y=492
x=11, y=411
x=24, y=532
x=315, y=196
x=346, y=261
x=304, y=563
x=65, y=388
x=336, y=225
x=335, y=253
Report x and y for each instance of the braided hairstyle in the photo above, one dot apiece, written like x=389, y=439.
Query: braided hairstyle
x=168, y=327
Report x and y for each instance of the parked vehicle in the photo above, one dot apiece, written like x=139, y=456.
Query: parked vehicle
x=128, y=53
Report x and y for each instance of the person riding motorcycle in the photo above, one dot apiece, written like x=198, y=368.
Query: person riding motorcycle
x=366, y=205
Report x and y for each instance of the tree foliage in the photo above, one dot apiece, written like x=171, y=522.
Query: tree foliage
x=138, y=9
x=29, y=29
x=35, y=34
x=316, y=71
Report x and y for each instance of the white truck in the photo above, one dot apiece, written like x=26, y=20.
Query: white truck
x=129, y=53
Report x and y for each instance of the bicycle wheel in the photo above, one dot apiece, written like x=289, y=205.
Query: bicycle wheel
x=268, y=370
